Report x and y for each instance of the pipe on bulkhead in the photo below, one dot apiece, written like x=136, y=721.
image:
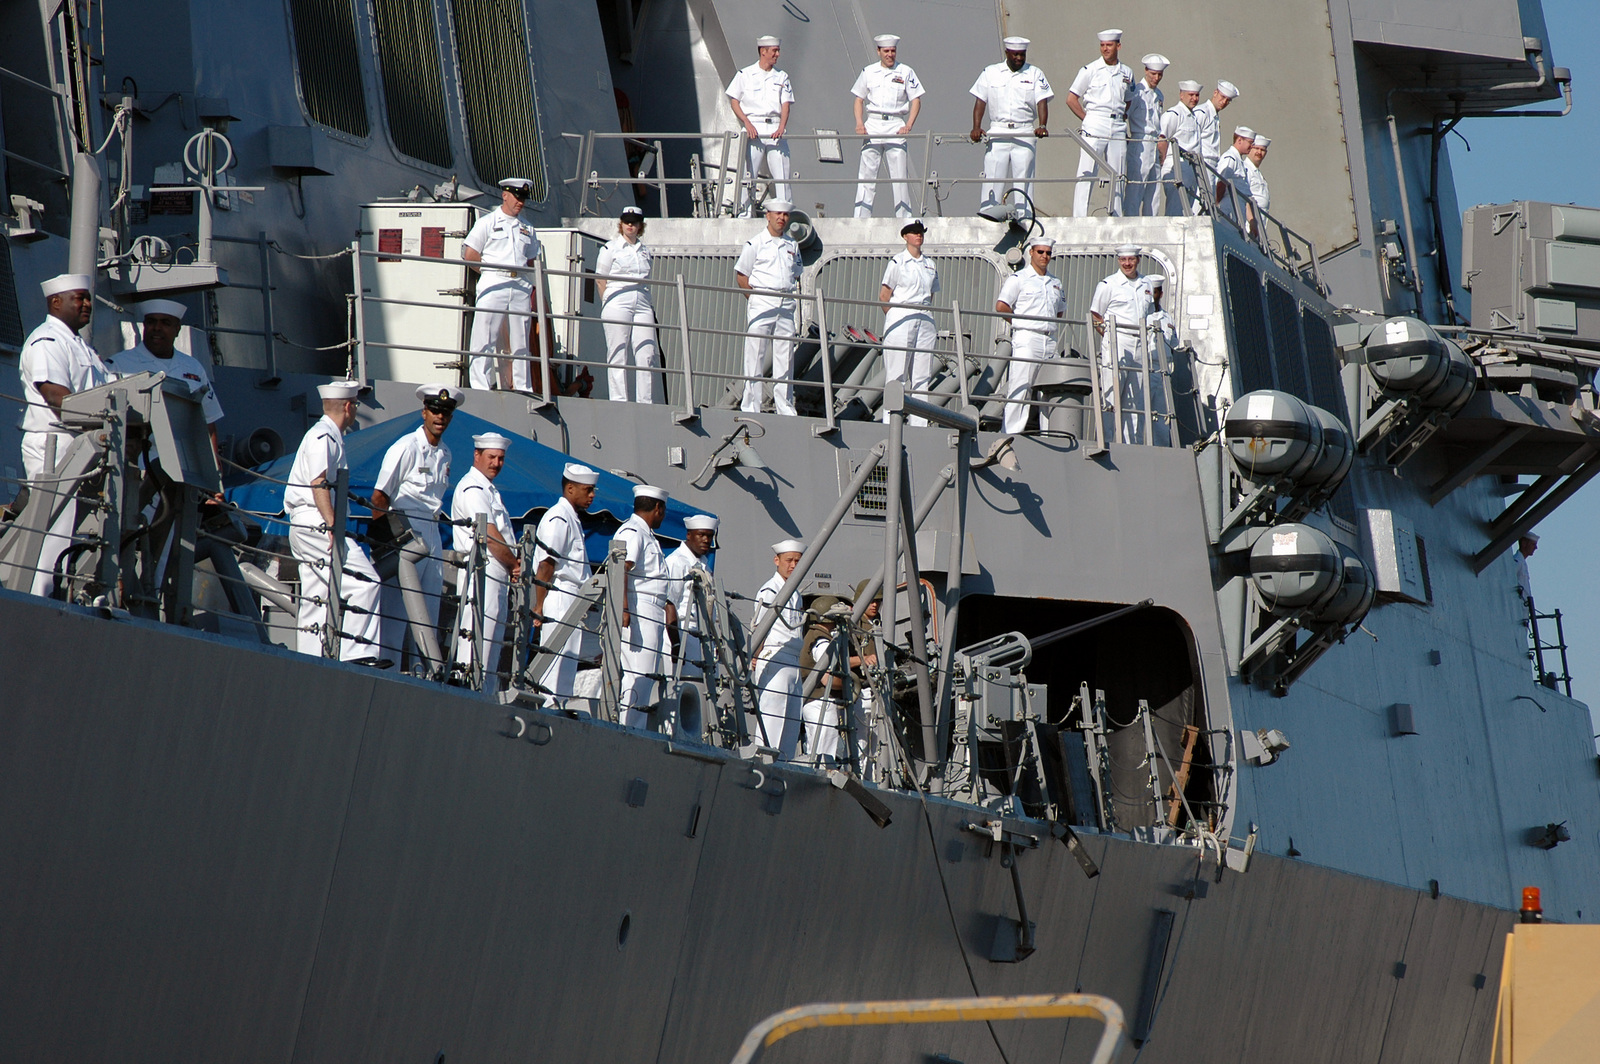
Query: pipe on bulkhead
x=83, y=250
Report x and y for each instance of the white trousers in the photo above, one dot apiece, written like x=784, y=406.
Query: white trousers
x=1179, y=172
x=1025, y=344
x=910, y=339
x=1108, y=137
x=1009, y=161
x=1144, y=168
x=59, y=536
x=873, y=154
x=644, y=658
x=501, y=319
x=775, y=152
x=630, y=326
x=495, y=582
x=396, y=624
x=778, y=683
x=561, y=674
x=825, y=730
x=1128, y=380
x=309, y=543
x=774, y=319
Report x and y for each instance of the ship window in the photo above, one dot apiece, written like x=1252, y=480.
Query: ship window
x=329, y=67
x=1285, y=325
x=873, y=498
x=1327, y=391
x=497, y=92
x=1252, y=363
x=413, y=87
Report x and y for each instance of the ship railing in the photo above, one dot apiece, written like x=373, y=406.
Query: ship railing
x=1128, y=365
x=1290, y=251
x=720, y=182
x=1539, y=646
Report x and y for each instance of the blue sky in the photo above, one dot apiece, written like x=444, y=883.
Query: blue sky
x=1554, y=159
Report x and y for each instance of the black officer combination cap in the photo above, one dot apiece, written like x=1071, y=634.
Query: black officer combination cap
x=440, y=398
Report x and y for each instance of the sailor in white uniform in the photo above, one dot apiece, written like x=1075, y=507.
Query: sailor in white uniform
x=1100, y=96
x=560, y=566
x=648, y=609
x=412, y=481
x=1231, y=175
x=776, y=662
x=502, y=319
x=157, y=352
x=1035, y=292
x=1162, y=331
x=770, y=261
x=309, y=501
x=476, y=494
x=56, y=362
x=626, y=313
x=887, y=99
x=1260, y=194
x=1124, y=297
x=1180, y=132
x=1208, y=119
x=1144, y=131
x=761, y=96
x=699, y=540
x=1015, y=96
x=908, y=332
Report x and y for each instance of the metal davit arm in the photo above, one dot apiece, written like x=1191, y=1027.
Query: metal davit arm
x=781, y=1025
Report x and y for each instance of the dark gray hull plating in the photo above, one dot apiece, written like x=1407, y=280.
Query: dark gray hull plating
x=214, y=852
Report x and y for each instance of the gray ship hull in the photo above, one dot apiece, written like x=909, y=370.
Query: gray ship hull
x=210, y=851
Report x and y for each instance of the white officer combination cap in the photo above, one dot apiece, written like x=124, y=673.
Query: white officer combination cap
x=913, y=225
x=580, y=474
x=66, y=282
x=1189, y=86
x=339, y=389
x=631, y=212
x=1244, y=131
x=779, y=206
x=438, y=394
x=516, y=184
x=1228, y=89
x=1156, y=61
x=170, y=307
x=1262, y=141
x=1110, y=35
x=768, y=41
x=646, y=491
x=491, y=441
x=789, y=546
x=1039, y=241
x=886, y=40
x=701, y=523
x=1124, y=250
x=1016, y=44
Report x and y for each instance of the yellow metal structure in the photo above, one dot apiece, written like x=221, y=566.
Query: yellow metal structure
x=1549, y=996
x=781, y=1025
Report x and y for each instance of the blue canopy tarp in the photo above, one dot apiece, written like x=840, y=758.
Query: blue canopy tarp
x=529, y=482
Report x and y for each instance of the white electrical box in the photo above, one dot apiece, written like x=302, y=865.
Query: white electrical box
x=430, y=334
x=576, y=332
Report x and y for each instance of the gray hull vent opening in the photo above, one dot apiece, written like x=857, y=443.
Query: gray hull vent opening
x=497, y=93
x=413, y=84
x=1252, y=361
x=329, y=64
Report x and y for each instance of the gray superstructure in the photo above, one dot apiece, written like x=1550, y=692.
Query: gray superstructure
x=215, y=848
